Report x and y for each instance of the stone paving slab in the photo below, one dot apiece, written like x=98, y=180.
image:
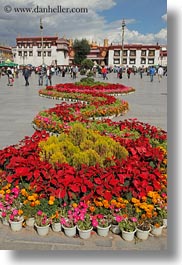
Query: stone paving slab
x=28, y=239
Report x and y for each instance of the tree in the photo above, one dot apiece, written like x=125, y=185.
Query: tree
x=87, y=64
x=81, y=49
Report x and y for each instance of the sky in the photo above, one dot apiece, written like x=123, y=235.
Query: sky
x=146, y=20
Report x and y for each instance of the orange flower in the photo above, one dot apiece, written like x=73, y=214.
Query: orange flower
x=52, y=198
x=32, y=204
x=20, y=212
x=50, y=202
x=92, y=209
x=74, y=205
x=37, y=202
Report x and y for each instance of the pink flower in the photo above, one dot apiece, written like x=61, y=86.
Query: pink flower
x=39, y=212
x=3, y=214
x=94, y=222
x=15, y=212
x=133, y=219
x=119, y=218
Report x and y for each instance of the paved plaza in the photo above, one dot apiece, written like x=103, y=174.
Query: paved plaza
x=19, y=105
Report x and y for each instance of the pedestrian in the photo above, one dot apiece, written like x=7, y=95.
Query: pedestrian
x=160, y=73
x=75, y=71
x=26, y=74
x=152, y=73
x=128, y=72
x=48, y=76
x=104, y=73
x=120, y=73
x=63, y=71
x=10, y=76
x=141, y=72
x=41, y=73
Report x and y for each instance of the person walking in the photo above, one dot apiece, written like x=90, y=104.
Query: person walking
x=160, y=73
x=152, y=73
x=128, y=72
x=41, y=73
x=26, y=74
x=104, y=73
x=120, y=73
x=48, y=76
x=141, y=72
x=10, y=76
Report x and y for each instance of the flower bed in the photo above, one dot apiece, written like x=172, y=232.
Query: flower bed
x=122, y=176
x=92, y=102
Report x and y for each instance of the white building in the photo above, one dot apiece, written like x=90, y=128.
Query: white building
x=134, y=55
x=29, y=50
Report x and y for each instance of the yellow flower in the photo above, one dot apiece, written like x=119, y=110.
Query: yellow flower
x=37, y=202
x=51, y=202
x=74, y=205
x=8, y=191
x=2, y=192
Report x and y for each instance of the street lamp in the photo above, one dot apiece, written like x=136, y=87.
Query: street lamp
x=123, y=26
x=41, y=33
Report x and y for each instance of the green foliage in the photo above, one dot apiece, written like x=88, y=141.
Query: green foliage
x=90, y=74
x=81, y=48
x=81, y=146
x=87, y=64
x=89, y=81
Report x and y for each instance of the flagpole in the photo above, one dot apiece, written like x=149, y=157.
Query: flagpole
x=41, y=31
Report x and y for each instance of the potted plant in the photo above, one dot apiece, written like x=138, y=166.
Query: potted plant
x=103, y=223
x=156, y=225
x=84, y=226
x=56, y=221
x=128, y=228
x=42, y=223
x=143, y=229
x=69, y=226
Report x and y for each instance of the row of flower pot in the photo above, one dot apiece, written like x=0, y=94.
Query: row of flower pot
x=17, y=226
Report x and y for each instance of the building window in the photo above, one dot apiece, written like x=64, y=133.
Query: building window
x=39, y=45
x=25, y=53
x=143, y=61
x=133, y=53
x=151, y=53
x=19, y=53
x=124, y=61
x=143, y=53
x=132, y=61
x=44, y=54
x=116, y=61
x=49, y=54
x=31, y=45
x=125, y=53
x=25, y=45
x=19, y=45
x=49, y=45
x=39, y=54
x=117, y=53
x=30, y=53
x=150, y=61
x=44, y=45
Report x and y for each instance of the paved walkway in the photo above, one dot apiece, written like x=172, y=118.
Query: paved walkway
x=19, y=105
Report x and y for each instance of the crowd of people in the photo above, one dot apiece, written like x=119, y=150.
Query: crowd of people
x=45, y=73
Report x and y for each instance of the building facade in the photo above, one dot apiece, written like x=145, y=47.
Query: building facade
x=5, y=53
x=59, y=51
x=134, y=55
x=29, y=50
